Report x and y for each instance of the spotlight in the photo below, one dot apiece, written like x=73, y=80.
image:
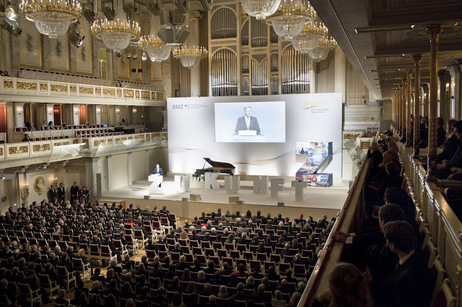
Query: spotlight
x=10, y=26
x=88, y=12
x=108, y=9
x=76, y=34
x=182, y=5
x=153, y=7
x=10, y=13
x=206, y=4
x=129, y=8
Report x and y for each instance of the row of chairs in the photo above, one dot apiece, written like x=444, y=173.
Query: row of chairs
x=233, y=262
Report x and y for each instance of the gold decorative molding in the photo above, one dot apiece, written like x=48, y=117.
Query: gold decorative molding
x=61, y=143
x=145, y=94
x=97, y=142
x=36, y=148
x=137, y=94
x=128, y=93
x=58, y=88
x=159, y=95
x=148, y=137
x=98, y=90
x=86, y=90
x=73, y=89
x=8, y=84
x=109, y=91
x=118, y=140
x=139, y=136
x=119, y=93
x=2, y=154
x=18, y=150
x=43, y=87
x=29, y=86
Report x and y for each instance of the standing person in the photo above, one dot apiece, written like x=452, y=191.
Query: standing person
x=84, y=193
x=74, y=192
x=159, y=171
x=247, y=122
x=52, y=194
x=61, y=192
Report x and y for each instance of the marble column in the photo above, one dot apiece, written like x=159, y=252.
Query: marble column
x=195, y=71
x=434, y=32
x=445, y=92
x=417, y=59
x=408, y=109
x=454, y=72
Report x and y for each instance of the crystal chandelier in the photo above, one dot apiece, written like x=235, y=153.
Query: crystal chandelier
x=190, y=56
x=324, y=45
x=309, y=37
x=260, y=9
x=51, y=17
x=157, y=50
x=116, y=34
x=289, y=19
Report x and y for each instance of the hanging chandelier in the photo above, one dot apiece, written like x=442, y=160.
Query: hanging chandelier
x=290, y=17
x=260, y=9
x=157, y=50
x=190, y=56
x=309, y=37
x=51, y=17
x=116, y=34
x=324, y=45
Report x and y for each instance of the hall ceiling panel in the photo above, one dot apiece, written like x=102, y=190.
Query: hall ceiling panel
x=379, y=37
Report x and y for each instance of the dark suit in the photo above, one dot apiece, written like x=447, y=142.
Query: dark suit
x=253, y=124
x=74, y=193
x=61, y=193
x=411, y=284
x=449, y=149
x=158, y=171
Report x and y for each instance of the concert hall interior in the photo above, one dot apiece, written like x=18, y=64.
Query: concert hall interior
x=200, y=105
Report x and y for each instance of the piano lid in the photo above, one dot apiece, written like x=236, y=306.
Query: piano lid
x=216, y=164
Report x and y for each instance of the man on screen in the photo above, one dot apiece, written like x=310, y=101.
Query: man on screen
x=247, y=122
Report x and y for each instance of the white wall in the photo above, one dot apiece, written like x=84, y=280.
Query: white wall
x=119, y=172
x=138, y=165
x=309, y=118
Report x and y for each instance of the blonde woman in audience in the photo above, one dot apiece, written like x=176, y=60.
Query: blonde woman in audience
x=223, y=292
x=294, y=299
x=347, y=287
x=277, y=301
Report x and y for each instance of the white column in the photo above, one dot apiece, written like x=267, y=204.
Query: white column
x=455, y=84
x=130, y=168
x=49, y=109
x=98, y=115
x=19, y=114
x=76, y=114
x=109, y=172
x=195, y=71
x=339, y=72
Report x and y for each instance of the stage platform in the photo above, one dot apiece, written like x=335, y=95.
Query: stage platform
x=316, y=200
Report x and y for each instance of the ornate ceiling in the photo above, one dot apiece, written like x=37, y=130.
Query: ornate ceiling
x=380, y=37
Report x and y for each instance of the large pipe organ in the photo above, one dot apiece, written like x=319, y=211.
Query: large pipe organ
x=248, y=58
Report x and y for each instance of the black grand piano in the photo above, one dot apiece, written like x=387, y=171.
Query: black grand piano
x=217, y=167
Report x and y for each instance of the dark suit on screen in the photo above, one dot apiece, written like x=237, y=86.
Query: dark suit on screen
x=242, y=125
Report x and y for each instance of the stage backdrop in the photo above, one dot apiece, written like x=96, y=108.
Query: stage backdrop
x=308, y=118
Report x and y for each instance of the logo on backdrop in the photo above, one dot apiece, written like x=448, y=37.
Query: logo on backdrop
x=315, y=106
